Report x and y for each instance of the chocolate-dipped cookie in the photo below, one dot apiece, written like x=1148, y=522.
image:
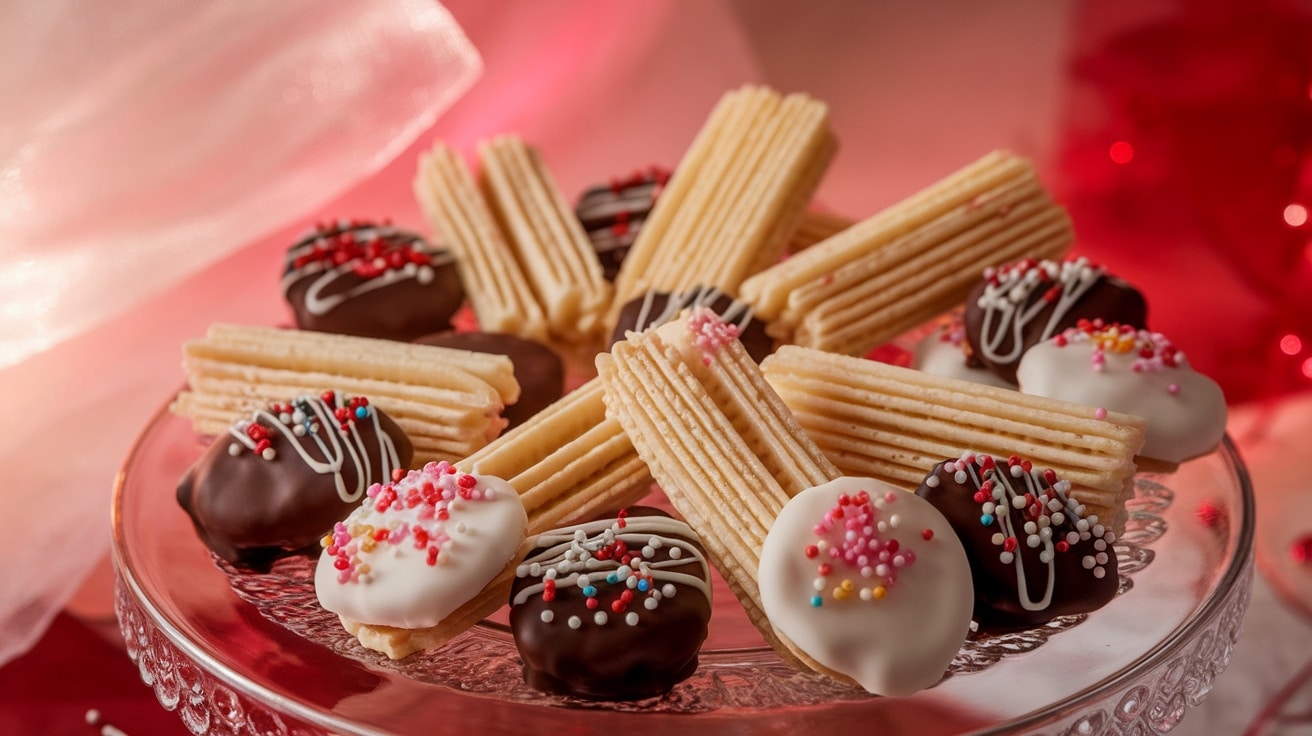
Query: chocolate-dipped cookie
x=360, y=278
x=655, y=308
x=276, y=483
x=1034, y=554
x=538, y=369
x=613, y=609
x=1017, y=306
x=613, y=213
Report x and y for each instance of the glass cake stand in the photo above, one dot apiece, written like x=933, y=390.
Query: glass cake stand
x=255, y=654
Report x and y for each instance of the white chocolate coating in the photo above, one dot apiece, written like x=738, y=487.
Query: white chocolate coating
x=399, y=581
x=943, y=354
x=1141, y=373
x=894, y=645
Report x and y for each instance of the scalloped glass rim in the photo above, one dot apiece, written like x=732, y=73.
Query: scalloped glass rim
x=1227, y=595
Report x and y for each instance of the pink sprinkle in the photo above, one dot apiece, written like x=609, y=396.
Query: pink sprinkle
x=1100, y=413
x=1173, y=389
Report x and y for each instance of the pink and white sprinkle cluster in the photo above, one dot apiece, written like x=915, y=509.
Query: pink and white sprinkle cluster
x=853, y=533
x=413, y=509
x=710, y=333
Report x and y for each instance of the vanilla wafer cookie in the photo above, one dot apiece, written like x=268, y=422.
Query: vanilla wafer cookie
x=496, y=285
x=911, y=262
x=735, y=199
x=549, y=243
x=568, y=463
x=817, y=226
x=417, y=550
x=891, y=423
x=448, y=401
x=738, y=467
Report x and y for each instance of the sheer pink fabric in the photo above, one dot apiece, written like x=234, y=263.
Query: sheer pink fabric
x=141, y=143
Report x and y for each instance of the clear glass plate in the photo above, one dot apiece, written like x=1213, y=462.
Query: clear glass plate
x=255, y=653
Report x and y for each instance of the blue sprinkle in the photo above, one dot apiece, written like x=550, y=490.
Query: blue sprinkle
x=590, y=591
x=986, y=519
x=642, y=585
x=612, y=578
x=361, y=412
x=816, y=601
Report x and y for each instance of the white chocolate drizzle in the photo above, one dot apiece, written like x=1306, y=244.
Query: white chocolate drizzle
x=1009, y=289
x=614, y=556
x=310, y=416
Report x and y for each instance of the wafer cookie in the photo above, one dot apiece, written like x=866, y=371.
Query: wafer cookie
x=448, y=401
x=892, y=423
x=816, y=226
x=496, y=286
x=549, y=243
x=718, y=441
x=568, y=463
x=735, y=199
x=911, y=262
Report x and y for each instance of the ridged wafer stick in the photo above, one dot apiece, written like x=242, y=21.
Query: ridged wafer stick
x=817, y=226
x=569, y=463
x=447, y=400
x=548, y=241
x=917, y=259
x=498, y=290
x=892, y=423
x=496, y=370
x=735, y=199
x=720, y=443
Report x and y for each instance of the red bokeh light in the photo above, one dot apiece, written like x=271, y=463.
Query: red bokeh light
x=1121, y=152
x=1291, y=345
x=1307, y=368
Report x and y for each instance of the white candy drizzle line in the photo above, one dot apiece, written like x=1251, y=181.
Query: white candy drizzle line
x=1013, y=488
x=314, y=255
x=738, y=313
x=612, y=555
x=1010, y=287
x=309, y=415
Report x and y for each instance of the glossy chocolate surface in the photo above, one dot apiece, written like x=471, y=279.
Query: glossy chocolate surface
x=618, y=659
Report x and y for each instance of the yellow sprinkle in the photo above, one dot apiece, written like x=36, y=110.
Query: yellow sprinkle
x=367, y=544
x=327, y=541
x=839, y=593
x=364, y=569
x=879, y=592
x=846, y=585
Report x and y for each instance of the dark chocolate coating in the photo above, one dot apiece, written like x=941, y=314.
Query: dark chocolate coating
x=251, y=511
x=753, y=336
x=1110, y=299
x=402, y=309
x=998, y=606
x=538, y=369
x=614, y=661
x=613, y=213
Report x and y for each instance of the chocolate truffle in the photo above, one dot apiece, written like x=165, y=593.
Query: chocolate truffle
x=655, y=308
x=538, y=369
x=613, y=609
x=276, y=483
x=1019, y=305
x=360, y=278
x=1034, y=555
x=613, y=213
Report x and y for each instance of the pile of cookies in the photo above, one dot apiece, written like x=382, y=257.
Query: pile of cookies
x=862, y=513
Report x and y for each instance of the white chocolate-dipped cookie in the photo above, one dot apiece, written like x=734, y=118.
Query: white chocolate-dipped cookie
x=417, y=549
x=870, y=581
x=945, y=352
x=1119, y=368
